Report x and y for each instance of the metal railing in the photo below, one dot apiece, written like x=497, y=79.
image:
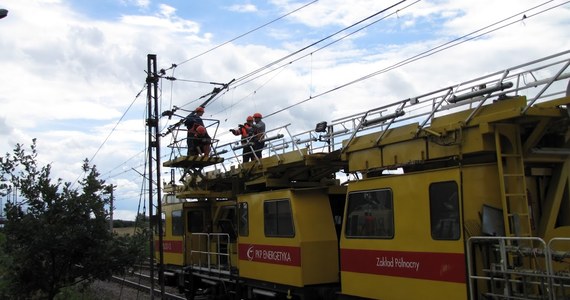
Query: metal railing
x=560, y=283
x=515, y=268
x=539, y=80
x=210, y=259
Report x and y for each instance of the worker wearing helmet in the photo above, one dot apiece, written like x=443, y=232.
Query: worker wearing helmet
x=200, y=142
x=258, y=134
x=246, y=132
x=192, y=121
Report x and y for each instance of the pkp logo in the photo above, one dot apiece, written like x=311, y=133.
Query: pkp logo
x=250, y=252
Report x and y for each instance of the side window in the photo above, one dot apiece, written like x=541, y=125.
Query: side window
x=243, y=223
x=444, y=211
x=196, y=221
x=370, y=214
x=177, y=223
x=278, y=219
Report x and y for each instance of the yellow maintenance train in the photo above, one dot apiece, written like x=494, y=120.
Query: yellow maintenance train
x=460, y=193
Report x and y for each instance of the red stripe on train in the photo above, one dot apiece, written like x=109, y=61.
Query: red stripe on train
x=421, y=265
x=170, y=246
x=281, y=255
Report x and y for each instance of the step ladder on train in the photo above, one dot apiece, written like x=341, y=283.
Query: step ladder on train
x=514, y=198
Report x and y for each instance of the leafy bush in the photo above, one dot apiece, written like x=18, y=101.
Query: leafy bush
x=57, y=236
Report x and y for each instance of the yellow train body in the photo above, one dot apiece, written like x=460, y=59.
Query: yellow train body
x=462, y=201
x=291, y=238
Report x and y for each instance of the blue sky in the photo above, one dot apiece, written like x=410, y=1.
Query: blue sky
x=73, y=68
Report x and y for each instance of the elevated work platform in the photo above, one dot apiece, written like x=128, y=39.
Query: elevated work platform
x=195, y=161
x=290, y=169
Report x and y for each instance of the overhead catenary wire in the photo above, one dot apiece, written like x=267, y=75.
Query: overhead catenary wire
x=248, y=32
x=401, y=63
x=118, y=122
x=239, y=79
x=312, y=52
x=424, y=54
x=248, y=75
x=112, y=130
x=427, y=53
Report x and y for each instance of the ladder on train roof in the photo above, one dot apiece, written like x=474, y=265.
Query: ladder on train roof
x=511, y=171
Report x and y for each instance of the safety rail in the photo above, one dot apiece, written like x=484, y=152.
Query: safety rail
x=178, y=144
x=274, y=141
x=560, y=283
x=205, y=256
x=545, y=83
x=539, y=80
x=514, y=268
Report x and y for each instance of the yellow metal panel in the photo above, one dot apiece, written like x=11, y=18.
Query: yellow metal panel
x=411, y=211
x=365, y=159
x=286, y=275
x=405, y=152
x=256, y=241
x=411, y=264
x=173, y=246
x=319, y=262
x=439, y=150
x=371, y=140
x=173, y=258
x=500, y=110
x=480, y=186
x=398, y=134
x=310, y=257
x=319, y=246
x=476, y=139
x=394, y=288
x=554, y=103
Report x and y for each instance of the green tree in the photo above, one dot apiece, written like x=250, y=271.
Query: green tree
x=57, y=236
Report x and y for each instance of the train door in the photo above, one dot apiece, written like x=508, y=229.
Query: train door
x=198, y=220
x=225, y=221
x=402, y=237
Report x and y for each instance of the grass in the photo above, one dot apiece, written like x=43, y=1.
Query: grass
x=124, y=230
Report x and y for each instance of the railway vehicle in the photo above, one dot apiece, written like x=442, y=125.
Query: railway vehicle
x=460, y=193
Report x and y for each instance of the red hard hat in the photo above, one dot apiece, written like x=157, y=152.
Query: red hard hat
x=201, y=130
x=257, y=115
x=249, y=118
x=199, y=109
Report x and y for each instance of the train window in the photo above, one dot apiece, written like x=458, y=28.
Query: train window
x=196, y=221
x=243, y=223
x=278, y=219
x=444, y=210
x=370, y=214
x=177, y=223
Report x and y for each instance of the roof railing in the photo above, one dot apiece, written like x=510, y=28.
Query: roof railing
x=539, y=80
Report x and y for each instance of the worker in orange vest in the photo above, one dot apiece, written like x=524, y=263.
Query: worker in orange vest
x=258, y=134
x=192, y=122
x=200, y=142
x=246, y=132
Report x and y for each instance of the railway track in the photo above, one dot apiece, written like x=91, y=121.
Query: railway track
x=145, y=287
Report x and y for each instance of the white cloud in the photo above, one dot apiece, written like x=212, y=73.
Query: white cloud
x=242, y=8
x=139, y=3
x=125, y=215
